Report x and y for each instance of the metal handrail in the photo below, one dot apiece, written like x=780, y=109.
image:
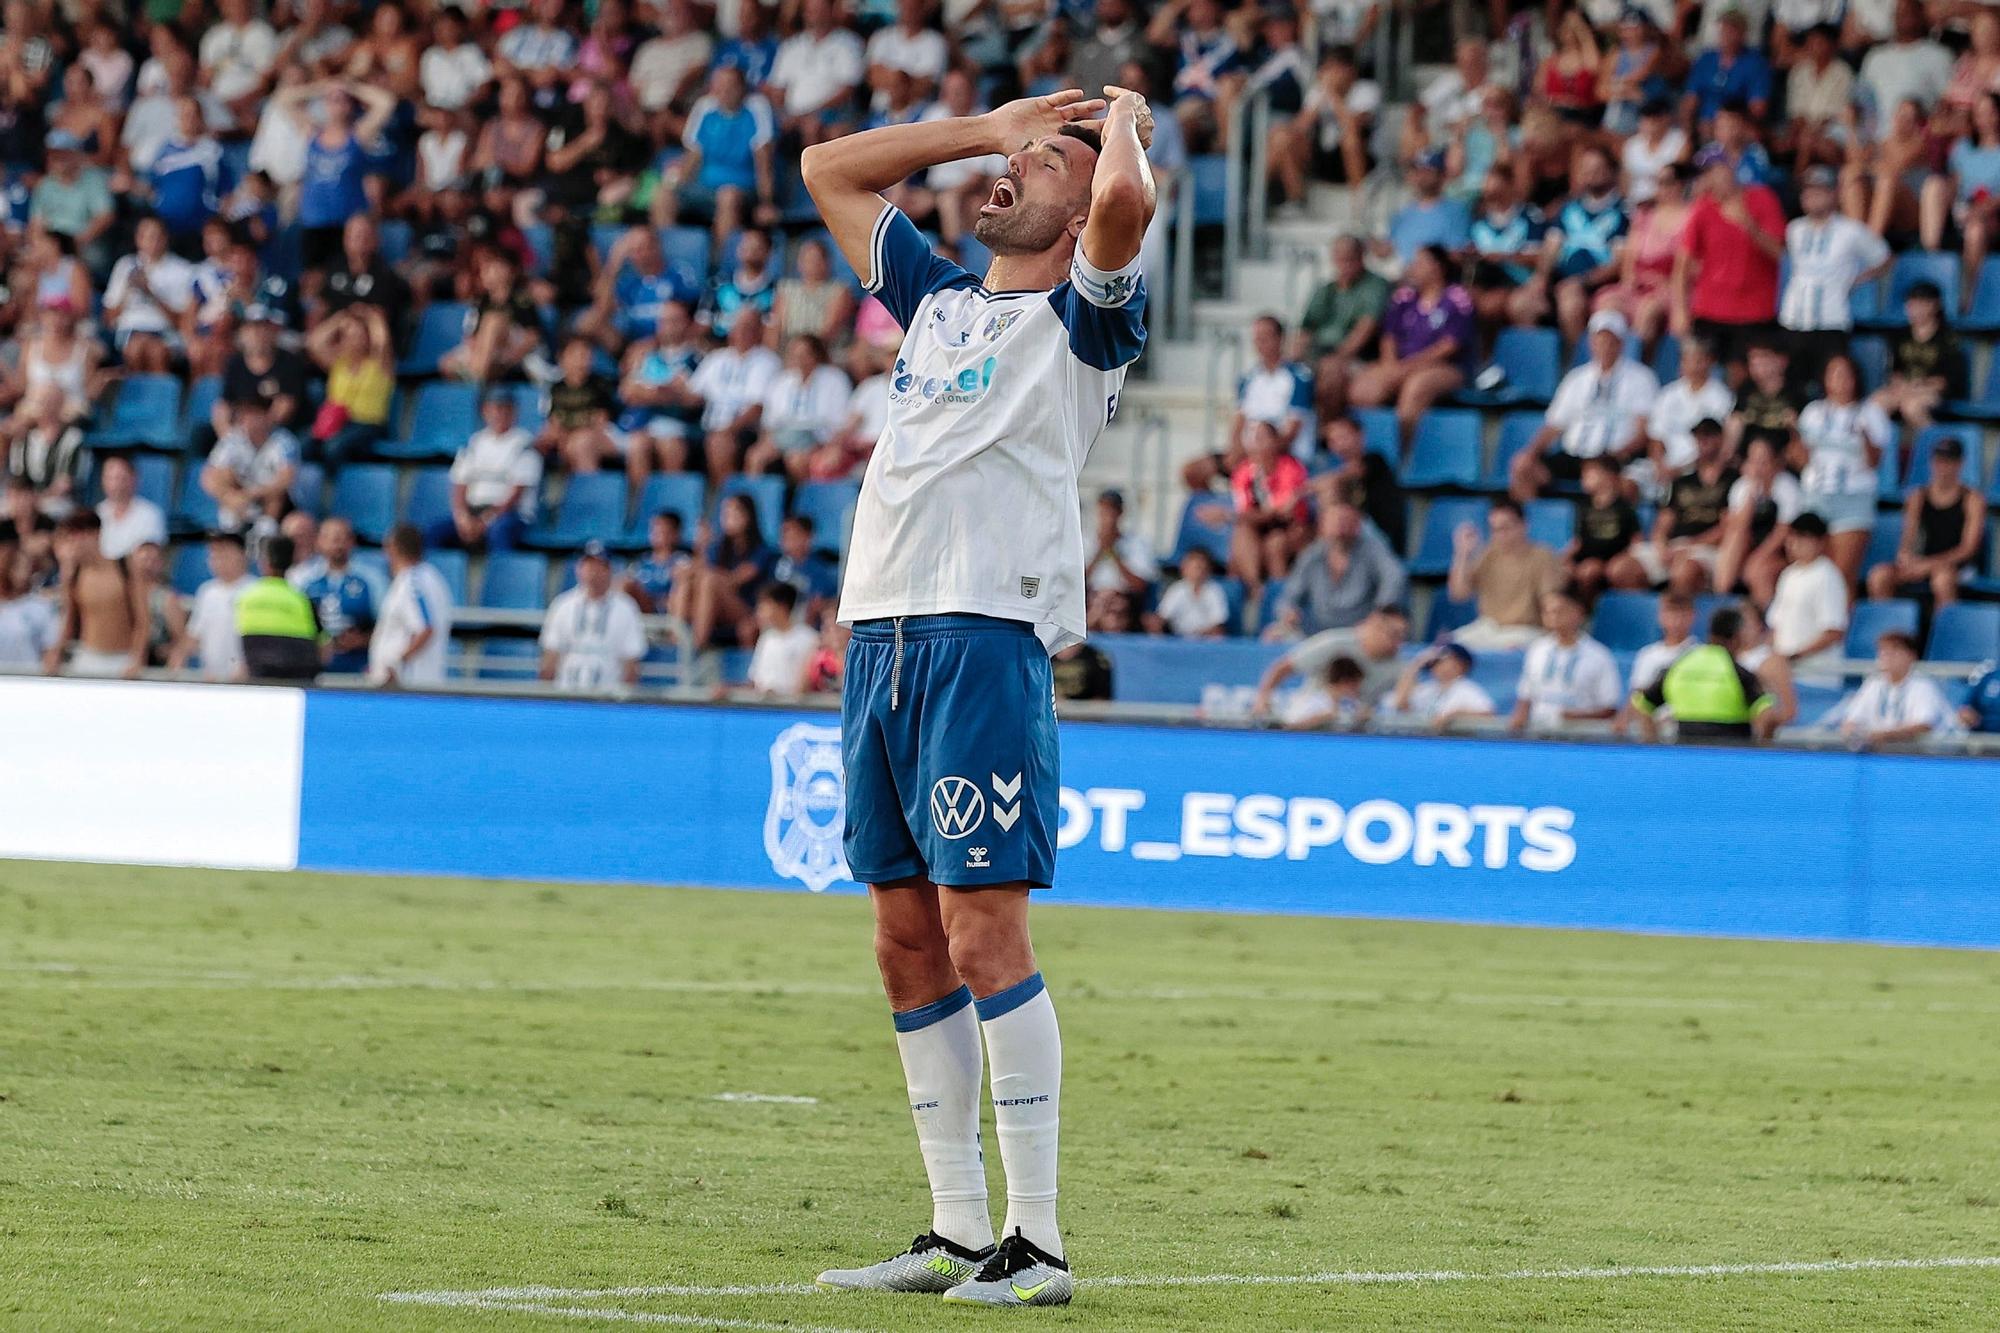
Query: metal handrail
x=1181, y=297
x=1241, y=216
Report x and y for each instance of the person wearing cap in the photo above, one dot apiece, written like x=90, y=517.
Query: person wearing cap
x=1944, y=525
x=73, y=199
x=1894, y=705
x=277, y=623
x=249, y=473
x=1842, y=438
x=1927, y=364
x=1599, y=410
x=1968, y=192
x=1437, y=689
x=1731, y=70
x=1429, y=218
x=259, y=368
x=1711, y=695
x=1809, y=609
x=1830, y=255
x=1688, y=531
x=1725, y=283
x=592, y=637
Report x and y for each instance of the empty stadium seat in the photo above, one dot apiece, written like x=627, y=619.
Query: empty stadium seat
x=1551, y=522
x=430, y=497
x=1531, y=359
x=1445, y=451
x=309, y=488
x=1872, y=619
x=687, y=246
x=1447, y=615
x=1206, y=522
x=678, y=492
x=592, y=509
x=1432, y=552
x=365, y=495
x=1912, y=267
x=190, y=568
x=1380, y=431
x=1883, y=539
x=1967, y=436
x=767, y=495
x=145, y=411
x=453, y=566
x=199, y=405
x=441, y=329
x=1625, y=622
x=1965, y=632
x=515, y=581
x=155, y=479
x=830, y=505
x=444, y=418
x=194, y=510
x=1871, y=358
x=509, y=659
x=1516, y=430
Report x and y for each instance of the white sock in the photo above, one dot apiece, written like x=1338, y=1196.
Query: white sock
x=942, y=1066
x=1026, y=1053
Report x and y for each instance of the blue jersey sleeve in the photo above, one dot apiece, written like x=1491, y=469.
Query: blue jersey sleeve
x=903, y=269
x=1105, y=313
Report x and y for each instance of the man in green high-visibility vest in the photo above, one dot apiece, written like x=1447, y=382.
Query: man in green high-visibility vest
x=278, y=624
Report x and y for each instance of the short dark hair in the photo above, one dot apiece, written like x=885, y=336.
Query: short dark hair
x=1725, y=624
x=1503, y=504
x=1809, y=524
x=801, y=520
x=406, y=540
x=1084, y=133
x=672, y=516
x=280, y=553
x=780, y=594
x=1679, y=601
x=1901, y=638
x=1344, y=670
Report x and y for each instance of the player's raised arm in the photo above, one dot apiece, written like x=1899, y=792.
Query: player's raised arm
x=846, y=176
x=1121, y=190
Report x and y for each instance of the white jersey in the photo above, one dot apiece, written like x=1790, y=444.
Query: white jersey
x=418, y=599
x=212, y=622
x=1580, y=678
x=1827, y=259
x=970, y=501
x=593, y=638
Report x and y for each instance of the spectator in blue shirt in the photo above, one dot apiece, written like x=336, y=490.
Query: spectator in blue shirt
x=1429, y=218
x=634, y=284
x=1209, y=64
x=186, y=175
x=1982, y=709
x=1728, y=72
x=650, y=578
x=1738, y=142
x=752, y=283
x=810, y=573
x=345, y=598
x=729, y=140
x=753, y=50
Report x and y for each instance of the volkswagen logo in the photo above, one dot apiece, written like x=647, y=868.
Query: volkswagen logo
x=957, y=807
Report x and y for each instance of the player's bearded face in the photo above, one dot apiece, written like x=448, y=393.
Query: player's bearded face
x=1021, y=218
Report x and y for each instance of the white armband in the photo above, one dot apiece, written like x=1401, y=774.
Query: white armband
x=1106, y=289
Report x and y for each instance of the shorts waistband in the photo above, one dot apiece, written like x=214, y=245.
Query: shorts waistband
x=957, y=625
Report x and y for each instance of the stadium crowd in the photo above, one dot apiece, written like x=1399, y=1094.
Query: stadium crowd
x=262, y=264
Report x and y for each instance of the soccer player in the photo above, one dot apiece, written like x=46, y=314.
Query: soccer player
x=965, y=570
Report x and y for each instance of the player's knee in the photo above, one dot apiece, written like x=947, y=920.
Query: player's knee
x=909, y=949
x=990, y=955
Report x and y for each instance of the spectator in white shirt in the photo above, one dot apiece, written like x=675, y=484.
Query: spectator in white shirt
x=816, y=73
x=1194, y=607
x=668, y=69
x=210, y=633
x=1566, y=676
x=1651, y=662
x=452, y=70
x=249, y=472
x=1808, y=615
x=1893, y=704
x=907, y=47
x=129, y=518
x=149, y=301
x=413, y=629
x=803, y=409
x=236, y=55
x=1913, y=68
x=1699, y=395
x=1334, y=700
x=494, y=479
x=1762, y=505
x=1123, y=561
x=1844, y=437
x=785, y=647
x=732, y=382
x=1830, y=254
x=592, y=637
x=1437, y=689
x=1273, y=390
x=1600, y=409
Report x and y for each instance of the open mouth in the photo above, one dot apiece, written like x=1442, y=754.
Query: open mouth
x=1005, y=194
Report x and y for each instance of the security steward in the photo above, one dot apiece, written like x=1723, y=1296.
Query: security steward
x=1711, y=695
x=278, y=623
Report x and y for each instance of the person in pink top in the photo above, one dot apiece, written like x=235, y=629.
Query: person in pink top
x=1643, y=292
x=1270, y=487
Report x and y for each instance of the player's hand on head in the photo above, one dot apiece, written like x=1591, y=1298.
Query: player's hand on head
x=1021, y=122
x=1125, y=102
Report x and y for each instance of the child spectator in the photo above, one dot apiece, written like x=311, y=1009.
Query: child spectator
x=1607, y=529
x=1332, y=701
x=1567, y=676
x=1809, y=608
x=1437, y=689
x=582, y=407
x=1895, y=706
x=650, y=578
x=785, y=646
x=1194, y=606
x=1944, y=525
x=1927, y=367
x=249, y=474
x=1688, y=533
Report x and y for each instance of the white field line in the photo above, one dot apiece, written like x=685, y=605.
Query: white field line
x=544, y=1300
x=86, y=976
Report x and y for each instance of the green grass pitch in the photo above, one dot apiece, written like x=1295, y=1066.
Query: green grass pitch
x=264, y=1101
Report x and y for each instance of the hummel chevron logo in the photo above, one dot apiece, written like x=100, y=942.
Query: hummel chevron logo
x=1008, y=790
x=1022, y=1293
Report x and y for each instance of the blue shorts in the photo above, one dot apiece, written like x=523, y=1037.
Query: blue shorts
x=948, y=735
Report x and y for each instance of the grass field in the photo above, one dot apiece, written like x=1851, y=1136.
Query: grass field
x=253, y=1100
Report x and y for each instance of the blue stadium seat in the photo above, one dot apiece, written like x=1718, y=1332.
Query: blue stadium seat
x=604, y=235
x=515, y=581
x=1211, y=189
x=445, y=416
x=365, y=495
x=453, y=566
x=1865, y=303
x=689, y=246
x=680, y=492
x=1883, y=539
x=1984, y=317
x=430, y=497
x=1871, y=358
x=1206, y=522
x=1911, y=268
x=393, y=241
x=373, y=565
x=509, y=659
x=1516, y=429
x=767, y=495
x=1666, y=361
x=155, y=477
x=1872, y=619
x=199, y=404
x=1447, y=615
x=829, y=504
x=1551, y=522
x=1967, y=436
x=309, y=488
x=1445, y=451
x=440, y=330
x=190, y=568
x=194, y=510
x=593, y=508
x=1626, y=621
x=145, y=411
x=1431, y=554
x=1965, y=632
x=1531, y=358
x=1380, y=431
